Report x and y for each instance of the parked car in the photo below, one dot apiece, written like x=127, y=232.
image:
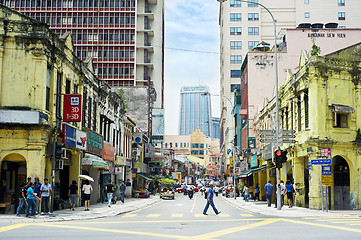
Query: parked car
x=195, y=189
x=167, y=191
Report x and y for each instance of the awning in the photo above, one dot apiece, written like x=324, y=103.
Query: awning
x=245, y=173
x=147, y=178
x=258, y=169
x=94, y=161
x=342, y=108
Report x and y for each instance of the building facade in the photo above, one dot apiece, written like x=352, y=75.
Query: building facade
x=35, y=119
x=243, y=25
x=195, y=110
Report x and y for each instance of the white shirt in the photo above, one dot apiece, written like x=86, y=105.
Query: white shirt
x=283, y=189
x=45, y=190
x=87, y=189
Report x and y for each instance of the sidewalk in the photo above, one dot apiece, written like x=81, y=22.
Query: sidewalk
x=261, y=207
x=99, y=210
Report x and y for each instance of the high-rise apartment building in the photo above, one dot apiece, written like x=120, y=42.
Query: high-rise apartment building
x=195, y=111
x=125, y=39
x=245, y=24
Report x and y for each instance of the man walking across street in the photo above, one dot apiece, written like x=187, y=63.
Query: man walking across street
x=37, y=186
x=122, y=190
x=269, y=191
x=30, y=208
x=210, y=201
x=45, y=195
x=110, y=191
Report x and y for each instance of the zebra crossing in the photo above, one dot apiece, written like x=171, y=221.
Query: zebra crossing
x=181, y=215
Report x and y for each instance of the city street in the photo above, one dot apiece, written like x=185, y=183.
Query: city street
x=182, y=218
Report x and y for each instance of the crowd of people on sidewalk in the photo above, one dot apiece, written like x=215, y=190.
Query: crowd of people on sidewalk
x=285, y=189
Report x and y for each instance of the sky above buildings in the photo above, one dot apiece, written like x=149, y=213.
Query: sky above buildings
x=191, y=53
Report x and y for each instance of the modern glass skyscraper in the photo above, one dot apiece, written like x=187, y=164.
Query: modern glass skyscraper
x=195, y=111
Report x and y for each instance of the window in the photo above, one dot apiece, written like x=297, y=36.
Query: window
x=67, y=86
x=253, y=16
x=235, y=3
x=48, y=81
x=340, y=120
x=307, y=15
x=341, y=2
x=236, y=59
x=170, y=145
x=299, y=114
x=235, y=87
x=341, y=16
x=185, y=145
x=306, y=110
x=341, y=26
x=236, y=45
x=252, y=44
x=235, y=73
x=307, y=1
x=236, y=17
x=253, y=31
x=176, y=144
x=236, y=31
x=166, y=145
x=181, y=145
x=58, y=95
x=253, y=3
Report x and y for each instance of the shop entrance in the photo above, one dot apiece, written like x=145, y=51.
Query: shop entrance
x=13, y=173
x=341, y=184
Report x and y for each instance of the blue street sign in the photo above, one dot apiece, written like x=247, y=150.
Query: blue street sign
x=321, y=161
x=326, y=170
x=309, y=166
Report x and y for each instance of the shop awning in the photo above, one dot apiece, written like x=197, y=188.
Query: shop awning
x=94, y=161
x=245, y=173
x=149, y=179
x=258, y=169
x=342, y=108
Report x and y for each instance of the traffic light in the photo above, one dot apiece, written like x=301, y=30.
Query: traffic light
x=284, y=156
x=59, y=151
x=278, y=158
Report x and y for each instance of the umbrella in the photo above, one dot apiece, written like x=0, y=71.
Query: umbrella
x=86, y=177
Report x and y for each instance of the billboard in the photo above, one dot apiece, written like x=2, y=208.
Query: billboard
x=72, y=108
x=69, y=135
x=81, y=139
x=157, y=124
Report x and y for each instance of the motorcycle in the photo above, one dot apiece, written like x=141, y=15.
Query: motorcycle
x=190, y=193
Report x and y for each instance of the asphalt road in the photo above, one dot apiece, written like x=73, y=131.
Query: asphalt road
x=182, y=218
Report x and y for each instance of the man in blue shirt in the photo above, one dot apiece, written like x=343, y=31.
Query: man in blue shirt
x=210, y=201
x=269, y=191
x=37, y=186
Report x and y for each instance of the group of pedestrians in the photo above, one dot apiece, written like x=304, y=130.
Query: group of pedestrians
x=287, y=189
x=33, y=194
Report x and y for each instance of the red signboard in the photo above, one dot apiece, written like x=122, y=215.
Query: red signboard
x=72, y=108
x=108, y=152
x=326, y=152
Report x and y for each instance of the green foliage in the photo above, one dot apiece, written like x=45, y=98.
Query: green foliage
x=122, y=98
x=166, y=181
x=316, y=50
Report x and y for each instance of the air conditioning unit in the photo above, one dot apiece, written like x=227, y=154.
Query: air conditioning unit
x=63, y=156
x=59, y=164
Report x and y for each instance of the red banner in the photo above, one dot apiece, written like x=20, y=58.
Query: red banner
x=72, y=108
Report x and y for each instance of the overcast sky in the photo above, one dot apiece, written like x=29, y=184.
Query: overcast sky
x=190, y=26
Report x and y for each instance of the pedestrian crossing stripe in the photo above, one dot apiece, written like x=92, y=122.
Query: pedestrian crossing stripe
x=199, y=215
x=177, y=215
x=129, y=215
x=153, y=215
x=246, y=215
x=224, y=215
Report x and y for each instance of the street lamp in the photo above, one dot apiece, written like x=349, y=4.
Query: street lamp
x=276, y=85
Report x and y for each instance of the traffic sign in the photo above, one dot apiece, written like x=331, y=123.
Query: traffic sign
x=289, y=132
x=288, y=141
x=321, y=161
x=327, y=176
x=326, y=170
x=270, y=140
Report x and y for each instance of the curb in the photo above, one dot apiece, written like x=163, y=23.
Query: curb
x=75, y=217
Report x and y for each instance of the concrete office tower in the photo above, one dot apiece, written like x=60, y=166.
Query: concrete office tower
x=125, y=39
x=195, y=110
x=244, y=25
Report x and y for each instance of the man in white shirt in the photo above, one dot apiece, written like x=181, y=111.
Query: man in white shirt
x=283, y=192
x=45, y=190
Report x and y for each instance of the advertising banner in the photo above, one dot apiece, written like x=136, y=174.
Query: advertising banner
x=72, y=108
x=108, y=152
x=69, y=135
x=94, y=143
x=254, y=162
x=81, y=139
x=120, y=161
x=157, y=124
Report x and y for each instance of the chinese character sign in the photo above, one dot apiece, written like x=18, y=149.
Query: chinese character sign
x=72, y=108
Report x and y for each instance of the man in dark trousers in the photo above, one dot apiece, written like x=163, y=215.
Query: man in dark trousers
x=269, y=191
x=110, y=191
x=122, y=191
x=210, y=201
